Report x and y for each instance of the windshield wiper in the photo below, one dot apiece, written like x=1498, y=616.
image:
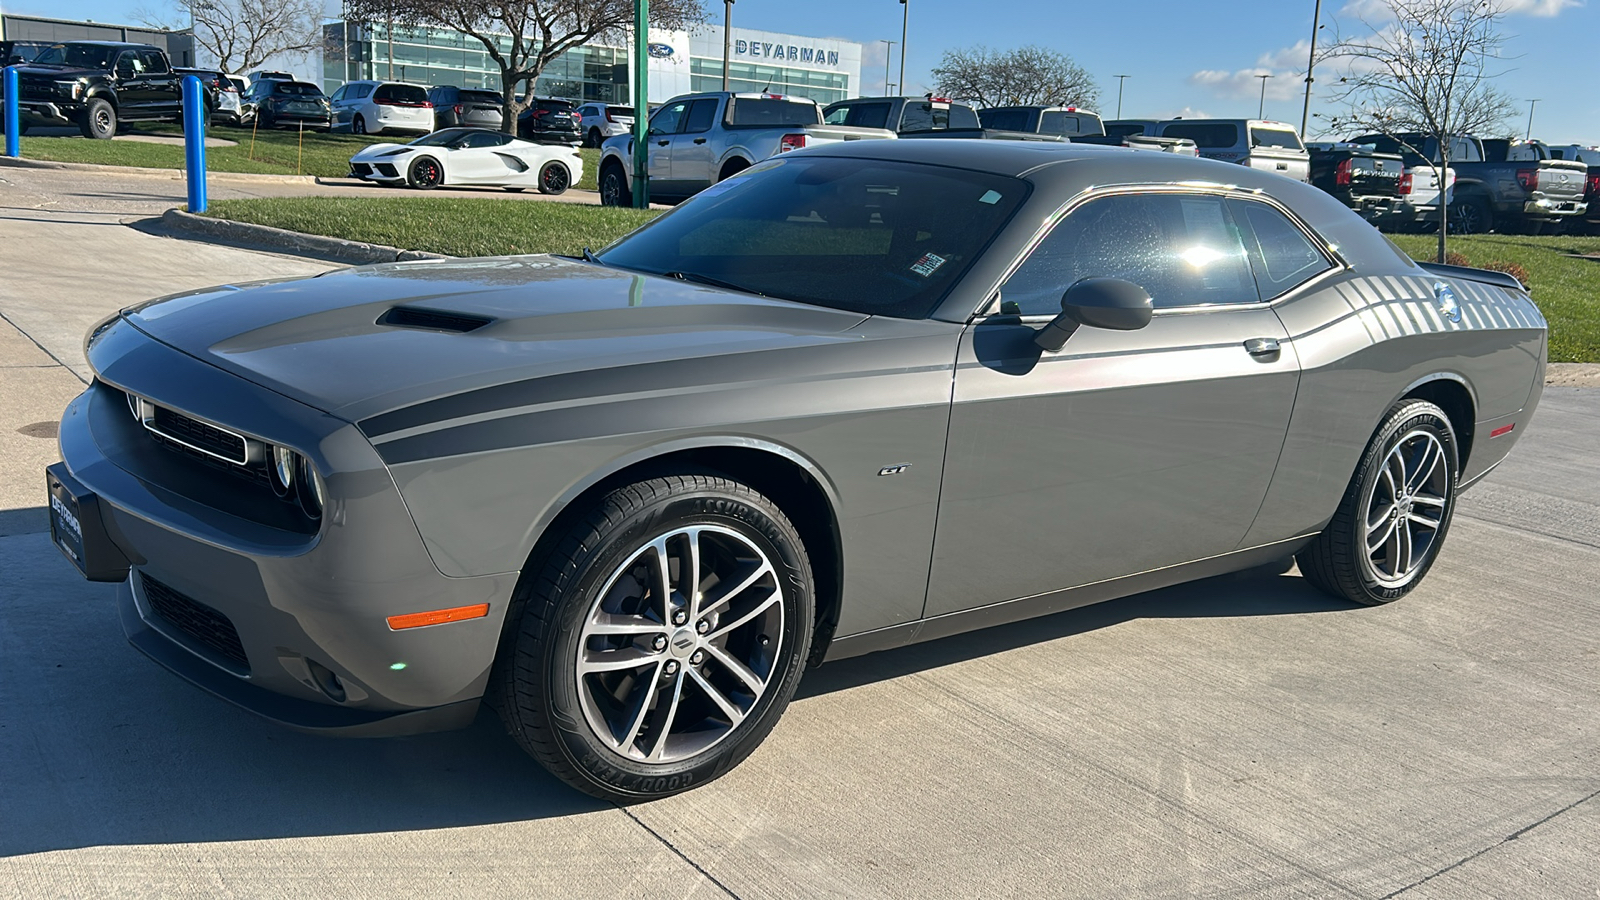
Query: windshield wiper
x=714, y=282
x=587, y=256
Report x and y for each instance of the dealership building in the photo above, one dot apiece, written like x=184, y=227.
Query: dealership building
x=680, y=62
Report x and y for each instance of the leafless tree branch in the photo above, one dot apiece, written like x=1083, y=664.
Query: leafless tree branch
x=1025, y=76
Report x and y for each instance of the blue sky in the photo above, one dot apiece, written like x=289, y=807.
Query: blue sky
x=1184, y=57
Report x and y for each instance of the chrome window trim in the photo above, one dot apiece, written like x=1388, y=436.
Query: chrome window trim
x=1337, y=262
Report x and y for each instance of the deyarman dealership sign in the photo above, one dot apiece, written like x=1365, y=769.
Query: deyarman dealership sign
x=813, y=55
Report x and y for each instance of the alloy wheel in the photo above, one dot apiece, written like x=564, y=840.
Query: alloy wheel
x=554, y=178
x=681, y=644
x=1405, y=509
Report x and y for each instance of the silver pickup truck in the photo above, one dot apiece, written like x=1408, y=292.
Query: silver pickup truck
x=697, y=140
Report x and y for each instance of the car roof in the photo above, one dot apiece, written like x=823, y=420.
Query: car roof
x=109, y=44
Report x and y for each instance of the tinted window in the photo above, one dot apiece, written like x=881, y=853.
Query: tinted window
x=441, y=138
x=702, y=115
x=480, y=97
x=486, y=139
x=863, y=115
x=921, y=115
x=296, y=89
x=1275, y=137
x=1206, y=135
x=620, y=110
x=773, y=113
x=339, y=94
x=667, y=118
x=401, y=93
x=155, y=62
x=83, y=56
x=1066, y=123
x=361, y=90
x=1004, y=119
x=555, y=105
x=1181, y=248
x=1122, y=131
x=872, y=236
x=1280, y=253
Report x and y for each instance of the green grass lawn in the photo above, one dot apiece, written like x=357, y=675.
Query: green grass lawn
x=1566, y=289
x=270, y=152
x=451, y=225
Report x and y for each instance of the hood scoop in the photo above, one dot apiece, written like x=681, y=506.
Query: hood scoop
x=431, y=320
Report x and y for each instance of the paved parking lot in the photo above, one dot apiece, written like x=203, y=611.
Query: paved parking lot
x=1239, y=737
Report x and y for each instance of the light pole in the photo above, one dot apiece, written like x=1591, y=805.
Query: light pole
x=1120, y=80
x=905, y=21
x=1261, y=112
x=1529, y=136
x=727, y=38
x=886, y=59
x=1311, y=62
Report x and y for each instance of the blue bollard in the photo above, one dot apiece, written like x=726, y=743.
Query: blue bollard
x=194, y=141
x=12, y=115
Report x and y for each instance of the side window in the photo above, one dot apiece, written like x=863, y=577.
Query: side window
x=485, y=139
x=362, y=90
x=128, y=65
x=667, y=118
x=1181, y=248
x=919, y=117
x=339, y=94
x=154, y=62
x=1281, y=255
x=702, y=115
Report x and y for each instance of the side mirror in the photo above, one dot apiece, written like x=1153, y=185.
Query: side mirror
x=1099, y=303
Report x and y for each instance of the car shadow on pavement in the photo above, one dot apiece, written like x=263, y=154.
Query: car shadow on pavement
x=1263, y=591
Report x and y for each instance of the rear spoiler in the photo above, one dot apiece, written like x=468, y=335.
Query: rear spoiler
x=1482, y=276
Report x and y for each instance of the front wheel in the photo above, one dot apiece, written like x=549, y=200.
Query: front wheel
x=99, y=120
x=1395, y=513
x=425, y=174
x=660, y=638
x=554, y=178
x=614, y=186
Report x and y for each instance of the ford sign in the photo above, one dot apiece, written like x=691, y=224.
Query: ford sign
x=661, y=51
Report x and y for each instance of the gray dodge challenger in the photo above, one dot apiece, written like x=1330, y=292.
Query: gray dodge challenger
x=857, y=397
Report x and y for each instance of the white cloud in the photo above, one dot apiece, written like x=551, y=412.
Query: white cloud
x=1378, y=10
x=1284, y=84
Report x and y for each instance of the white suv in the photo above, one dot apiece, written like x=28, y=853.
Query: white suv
x=599, y=121
x=1257, y=143
x=373, y=107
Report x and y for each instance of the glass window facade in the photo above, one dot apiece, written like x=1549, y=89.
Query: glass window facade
x=436, y=56
x=823, y=87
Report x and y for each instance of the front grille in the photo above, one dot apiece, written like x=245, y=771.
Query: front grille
x=198, y=435
x=361, y=168
x=387, y=170
x=195, y=619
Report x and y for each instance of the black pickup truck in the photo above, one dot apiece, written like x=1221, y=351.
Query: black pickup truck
x=1496, y=193
x=96, y=85
x=1065, y=121
x=922, y=117
x=1362, y=178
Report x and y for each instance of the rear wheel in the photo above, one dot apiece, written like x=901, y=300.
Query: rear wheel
x=659, y=640
x=554, y=178
x=613, y=186
x=99, y=120
x=1394, y=514
x=425, y=173
x=732, y=168
x=359, y=126
x=594, y=138
x=1471, y=215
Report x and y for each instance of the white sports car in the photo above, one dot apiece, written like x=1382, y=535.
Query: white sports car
x=470, y=156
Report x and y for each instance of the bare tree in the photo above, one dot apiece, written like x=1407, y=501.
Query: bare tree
x=243, y=34
x=1424, y=67
x=1025, y=76
x=525, y=36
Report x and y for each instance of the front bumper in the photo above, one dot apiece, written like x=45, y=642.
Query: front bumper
x=294, y=606
x=37, y=112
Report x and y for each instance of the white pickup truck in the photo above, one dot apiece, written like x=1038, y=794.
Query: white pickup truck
x=697, y=140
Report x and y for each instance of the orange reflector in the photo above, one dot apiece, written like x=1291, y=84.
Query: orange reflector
x=1503, y=429
x=438, y=616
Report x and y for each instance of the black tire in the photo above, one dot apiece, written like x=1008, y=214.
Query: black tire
x=614, y=186
x=99, y=120
x=594, y=138
x=359, y=125
x=1341, y=560
x=1471, y=215
x=554, y=178
x=425, y=173
x=600, y=566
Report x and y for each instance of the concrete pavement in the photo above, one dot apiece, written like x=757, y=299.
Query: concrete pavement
x=1243, y=736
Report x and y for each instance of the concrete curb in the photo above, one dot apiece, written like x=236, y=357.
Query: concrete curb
x=285, y=241
x=174, y=174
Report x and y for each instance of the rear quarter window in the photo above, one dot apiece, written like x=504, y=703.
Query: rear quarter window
x=1275, y=137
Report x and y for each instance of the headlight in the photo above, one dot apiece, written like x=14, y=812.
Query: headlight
x=312, y=494
x=74, y=88
x=284, y=464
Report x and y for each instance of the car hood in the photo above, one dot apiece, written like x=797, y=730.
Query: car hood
x=56, y=73
x=378, y=150
x=323, y=340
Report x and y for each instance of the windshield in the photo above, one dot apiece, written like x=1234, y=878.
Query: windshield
x=78, y=56
x=441, y=138
x=870, y=236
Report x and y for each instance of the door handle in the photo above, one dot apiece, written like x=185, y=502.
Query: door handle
x=699, y=140
x=662, y=143
x=1283, y=167
x=1265, y=349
